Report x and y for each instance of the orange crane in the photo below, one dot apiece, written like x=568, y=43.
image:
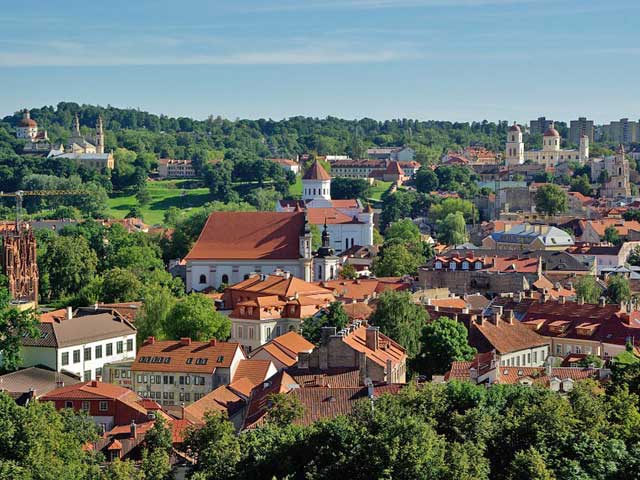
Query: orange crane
x=20, y=194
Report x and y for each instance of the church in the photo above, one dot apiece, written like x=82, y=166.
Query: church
x=347, y=222
x=550, y=155
x=37, y=141
x=86, y=151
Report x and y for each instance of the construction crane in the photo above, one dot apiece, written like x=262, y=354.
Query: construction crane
x=20, y=194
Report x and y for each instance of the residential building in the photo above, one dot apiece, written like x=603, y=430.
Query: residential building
x=283, y=351
x=265, y=307
x=375, y=355
x=33, y=382
x=604, y=256
x=229, y=399
x=463, y=274
x=612, y=173
x=80, y=342
x=364, y=289
x=593, y=231
x=347, y=222
x=623, y=131
x=288, y=164
x=397, y=154
x=108, y=405
x=539, y=126
x=580, y=127
x=525, y=236
x=577, y=327
x=172, y=168
x=550, y=155
x=233, y=245
x=176, y=372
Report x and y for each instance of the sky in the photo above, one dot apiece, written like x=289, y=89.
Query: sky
x=457, y=60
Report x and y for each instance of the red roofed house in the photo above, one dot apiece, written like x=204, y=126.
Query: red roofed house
x=108, y=405
x=232, y=245
x=348, y=222
x=263, y=307
x=394, y=173
x=283, y=351
x=183, y=371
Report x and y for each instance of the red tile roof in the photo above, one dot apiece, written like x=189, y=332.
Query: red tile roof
x=249, y=235
x=504, y=337
x=387, y=351
x=363, y=288
x=222, y=399
x=92, y=390
x=256, y=371
x=316, y=172
x=333, y=216
x=394, y=168
x=184, y=356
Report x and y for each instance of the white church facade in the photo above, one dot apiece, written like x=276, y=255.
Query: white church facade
x=550, y=155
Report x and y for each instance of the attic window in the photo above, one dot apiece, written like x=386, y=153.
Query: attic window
x=189, y=361
x=201, y=361
x=220, y=359
x=167, y=359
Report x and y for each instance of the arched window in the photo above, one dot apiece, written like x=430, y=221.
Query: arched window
x=225, y=278
x=332, y=273
x=203, y=279
x=319, y=272
x=353, y=242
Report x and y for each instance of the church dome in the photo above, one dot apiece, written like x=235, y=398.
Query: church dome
x=514, y=128
x=551, y=132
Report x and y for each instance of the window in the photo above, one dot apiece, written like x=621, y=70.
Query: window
x=85, y=405
x=65, y=358
x=87, y=353
x=98, y=372
x=87, y=375
x=104, y=406
x=465, y=265
x=98, y=351
x=119, y=346
x=109, y=349
x=535, y=357
x=438, y=265
x=153, y=379
x=268, y=333
x=68, y=404
x=187, y=397
x=129, y=344
x=225, y=278
x=76, y=356
x=240, y=332
x=250, y=332
x=203, y=279
x=139, y=378
x=116, y=373
x=528, y=358
x=181, y=380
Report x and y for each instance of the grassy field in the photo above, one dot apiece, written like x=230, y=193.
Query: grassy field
x=378, y=189
x=164, y=194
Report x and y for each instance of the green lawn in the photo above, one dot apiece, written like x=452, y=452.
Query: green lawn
x=378, y=189
x=164, y=194
x=296, y=189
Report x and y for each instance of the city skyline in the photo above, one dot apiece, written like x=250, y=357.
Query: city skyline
x=460, y=60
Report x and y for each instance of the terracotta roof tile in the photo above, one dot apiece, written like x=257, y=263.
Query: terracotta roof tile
x=504, y=337
x=388, y=350
x=316, y=172
x=256, y=371
x=222, y=399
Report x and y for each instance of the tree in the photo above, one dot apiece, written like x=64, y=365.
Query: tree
x=264, y=199
x=156, y=310
x=443, y=341
x=348, y=188
x=143, y=196
x=403, y=230
x=348, y=272
x=612, y=236
x=218, y=178
x=400, y=319
x=588, y=290
x=618, y=289
x=591, y=360
x=195, y=316
x=159, y=436
x=395, y=261
x=283, y=409
x=14, y=324
x=453, y=229
x=155, y=465
x=634, y=257
x=439, y=211
x=122, y=470
x=582, y=185
x=551, y=200
x=119, y=285
x=426, y=180
x=529, y=464
x=333, y=316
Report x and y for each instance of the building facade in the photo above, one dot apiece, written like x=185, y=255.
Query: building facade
x=613, y=175
x=171, y=168
x=550, y=155
x=580, y=127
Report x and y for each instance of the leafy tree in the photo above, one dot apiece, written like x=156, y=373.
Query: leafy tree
x=591, y=360
x=159, y=436
x=403, y=230
x=452, y=230
x=218, y=178
x=283, y=409
x=155, y=465
x=332, y=316
x=122, y=470
x=529, y=464
x=426, y=180
x=400, y=319
x=611, y=235
x=634, y=257
x=588, y=290
x=396, y=260
x=119, y=285
x=155, y=314
x=263, y=199
x=143, y=196
x=348, y=188
x=618, y=289
x=551, y=200
x=582, y=185
x=440, y=211
x=195, y=316
x=348, y=272
x=443, y=341
x=14, y=324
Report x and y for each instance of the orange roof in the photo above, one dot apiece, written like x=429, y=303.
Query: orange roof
x=243, y=386
x=249, y=235
x=88, y=390
x=316, y=172
x=394, y=168
x=278, y=285
x=115, y=445
x=622, y=226
x=184, y=356
x=50, y=317
x=362, y=288
x=222, y=399
x=388, y=350
x=333, y=216
x=294, y=342
x=347, y=203
x=358, y=311
x=504, y=337
x=255, y=371
x=449, y=302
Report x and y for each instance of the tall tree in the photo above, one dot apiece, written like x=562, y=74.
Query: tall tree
x=588, y=290
x=426, y=180
x=195, y=316
x=332, y=316
x=14, y=324
x=452, y=230
x=618, y=289
x=396, y=260
x=551, y=199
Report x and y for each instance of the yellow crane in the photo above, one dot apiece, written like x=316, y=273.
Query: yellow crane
x=20, y=194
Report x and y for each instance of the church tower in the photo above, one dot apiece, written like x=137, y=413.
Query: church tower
x=99, y=136
x=316, y=186
x=584, y=149
x=515, y=146
x=304, y=246
x=326, y=263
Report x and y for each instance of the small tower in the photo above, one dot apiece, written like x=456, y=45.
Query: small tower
x=316, y=186
x=76, y=126
x=27, y=129
x=584, y=148
x=304, y=245
x=326, y=263
x=366, y=217
x=99, y=136
x=551, y=140
x=515, y=146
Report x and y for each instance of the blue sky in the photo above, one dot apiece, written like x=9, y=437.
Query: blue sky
x=456, y=60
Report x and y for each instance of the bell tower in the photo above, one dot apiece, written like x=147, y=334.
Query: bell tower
x=99, y=136
x=514, y=151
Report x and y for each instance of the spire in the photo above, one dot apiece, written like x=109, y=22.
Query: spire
x=325, y=235
x=76, y=125
x=99, y=135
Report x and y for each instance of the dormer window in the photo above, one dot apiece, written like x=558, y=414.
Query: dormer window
x=438, y=265
x=452, y=265
x=465, y=265
x=478, y=265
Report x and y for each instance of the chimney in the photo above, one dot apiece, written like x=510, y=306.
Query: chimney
x=150, y=340
x=495, y=317
x=603, y=302
x=303, y=360
x=133, y=429
x=69, y=313
x=510, y=317
x=497, y=309
x=213, y=342
x=325, y=333
x=185, y=341
x=373, y=338
x=94, y=383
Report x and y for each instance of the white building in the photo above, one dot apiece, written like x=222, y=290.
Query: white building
x=396, y=154
x=348, y=223
x=550, y=155
x=80, y=342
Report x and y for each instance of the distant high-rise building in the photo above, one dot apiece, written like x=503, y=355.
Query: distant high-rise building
x=580, y=127
x=539, y=126
x=622, y=131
